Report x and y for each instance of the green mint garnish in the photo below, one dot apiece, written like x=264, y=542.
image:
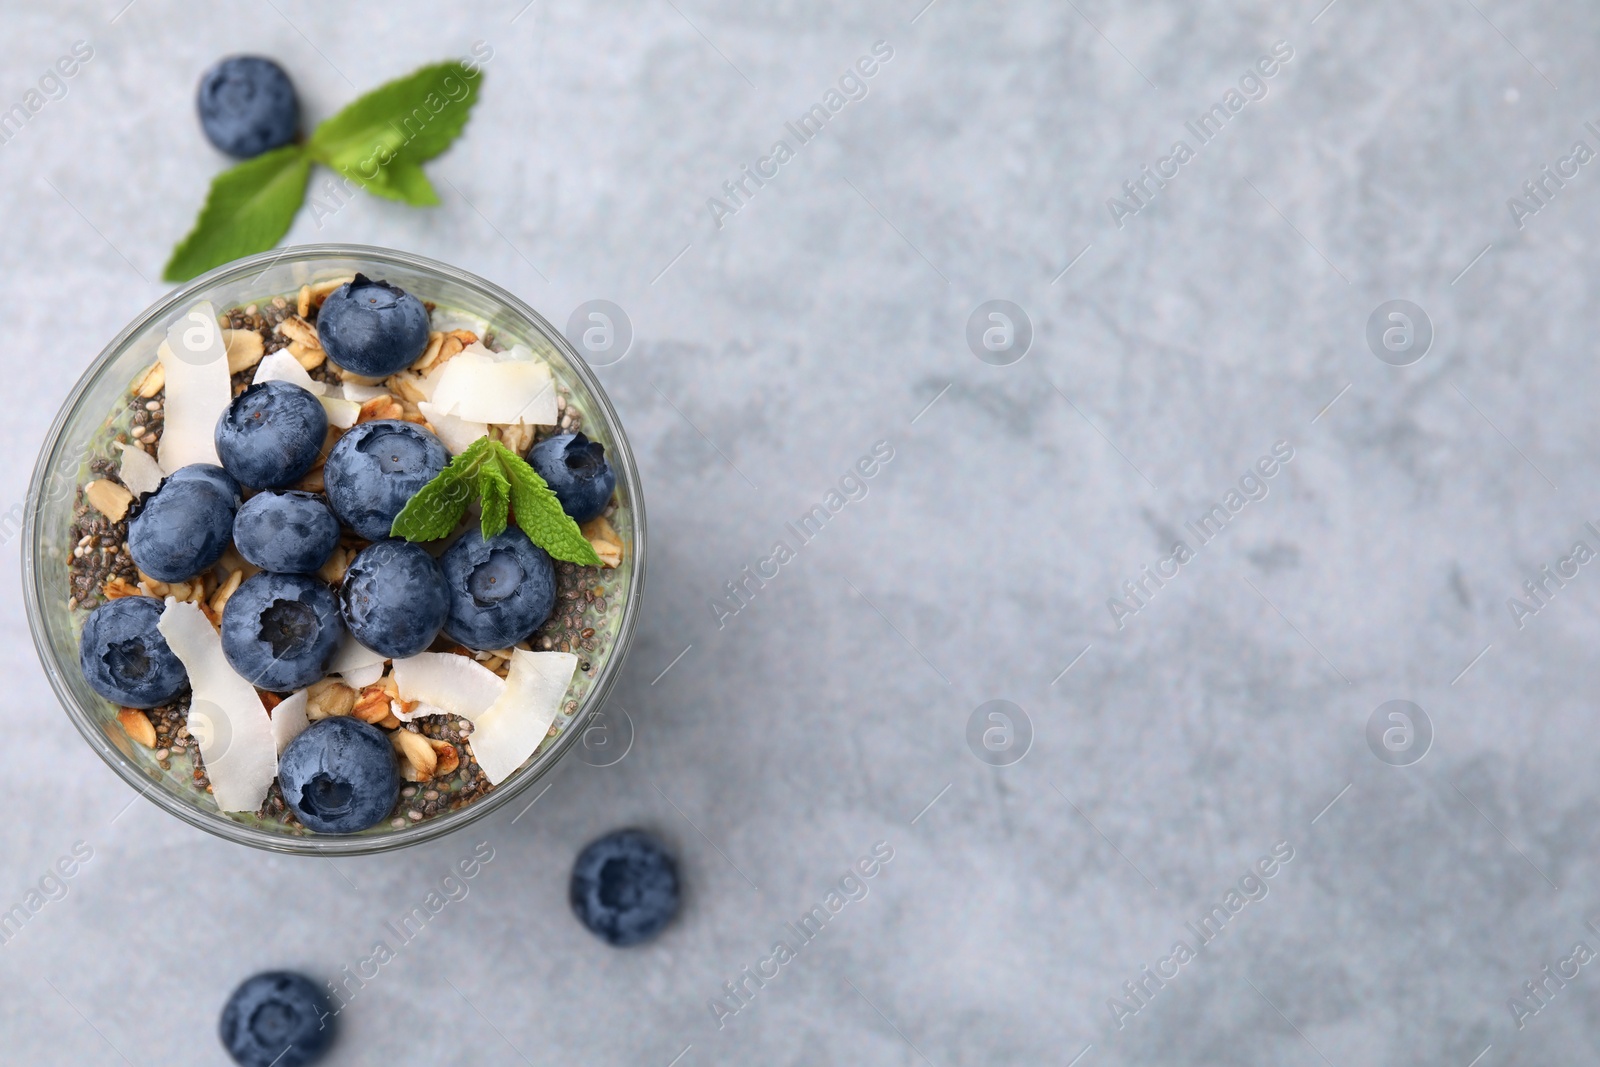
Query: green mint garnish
x=498, y=477
x=378, y=141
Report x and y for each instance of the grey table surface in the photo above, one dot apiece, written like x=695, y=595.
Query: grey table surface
x=1176, y=339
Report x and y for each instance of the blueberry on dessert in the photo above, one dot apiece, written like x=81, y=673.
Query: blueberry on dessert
x=501, y=589
x=279, y=630
x=124, y=657
x=290, y=532
x=576, y=470
x=376, y=468
x=372, y=328
x=183, y=527
x=271, y=434
x=394, y=598
x=624, y=887
x=339, y=776
x=248, y=106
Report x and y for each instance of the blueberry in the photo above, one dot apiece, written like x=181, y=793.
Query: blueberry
x=576, y=470
x=624, y=887
x=247, y=106
x=501, y=590
x=375, y=468
x=372, y=327
x=276, y=1019
x=271, y=434
x=278, y=630
x=124, y=657
x=290, y=532
x=339, y=776
x=183, y=527
x=394, y=599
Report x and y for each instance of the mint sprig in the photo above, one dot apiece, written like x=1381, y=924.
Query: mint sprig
x=507, y=488
x=378, y=141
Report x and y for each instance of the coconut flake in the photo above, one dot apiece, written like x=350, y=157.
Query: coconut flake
x=456, y=685
x=352, y=655
x=361, y=393
x=511, y=730
x=289, y=719
x=341, y=413
x=138, y=471
x=226, y=715
x=361, y=677
x=457, y=433
x=282, y=367
x=483, y=386
x=198, y=388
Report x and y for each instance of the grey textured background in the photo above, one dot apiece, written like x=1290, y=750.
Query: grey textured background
x=828, y=714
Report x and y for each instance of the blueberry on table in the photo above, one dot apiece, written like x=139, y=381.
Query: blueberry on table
x=279, y=630
x=339, y=776
x=124, y=657
x=576, y=470
x=624, y=887
x=372, y=328
x=183, y=527
x=271, y=434
x=393, y=598
x=248, y=106
x=290, y=532
x=376, y=468
x=501, y=589
x=276, y=1019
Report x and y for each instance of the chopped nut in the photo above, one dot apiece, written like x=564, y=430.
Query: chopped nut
x=219, y=599
x=179, y=590
x=150, y=587
x=108, y=498
x=388, y=723
x=116, y=588
x=429, y=354
x=379, y=407
x=137, y=725
x=308, y=356
x=298, y=329
x=372, y=705
x=407, y=387
x=417, y=752
x=269, y=699
x=603, y=538
x=322, y=290
x=329, y=697
x=332, y=571
x=154, y=380
x=302, y=305
x=244, y=347
x=516, y=436
x=312, y=481
x=449, y=758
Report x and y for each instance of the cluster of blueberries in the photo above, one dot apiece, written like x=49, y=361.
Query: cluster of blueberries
x=281, y=625
x=624, y=889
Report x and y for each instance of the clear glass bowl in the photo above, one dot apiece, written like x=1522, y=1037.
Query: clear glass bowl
x=63, y=466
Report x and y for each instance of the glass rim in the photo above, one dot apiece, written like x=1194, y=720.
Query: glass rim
x=218, y=823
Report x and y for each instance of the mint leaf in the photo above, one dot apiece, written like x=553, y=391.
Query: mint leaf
x=539, y=513
x=494, y=491
x=407, y=121
x=249, y=209
x=438, y=506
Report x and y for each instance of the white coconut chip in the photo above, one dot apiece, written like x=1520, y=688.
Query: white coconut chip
x=361, y=393
x=456, y=685
x=138, y=471
x=352, y=655
x=511, y=730
x=198, y=388
x=289, y=719
x=226, y=715
x=282, y=367
x=361, y=677
x=457, y=434
x=341, y=412
x=483, y=386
